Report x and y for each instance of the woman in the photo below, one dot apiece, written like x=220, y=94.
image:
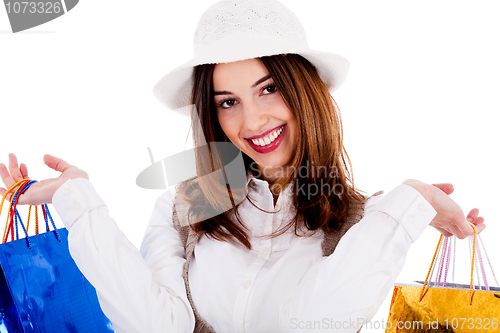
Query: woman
x=259, y=266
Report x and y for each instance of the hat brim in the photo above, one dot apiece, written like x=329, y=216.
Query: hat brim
x=174, y=89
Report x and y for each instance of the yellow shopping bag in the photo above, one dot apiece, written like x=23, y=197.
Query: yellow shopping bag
x=446, y=307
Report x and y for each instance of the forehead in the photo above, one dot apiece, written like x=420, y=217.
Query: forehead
x=238, y=74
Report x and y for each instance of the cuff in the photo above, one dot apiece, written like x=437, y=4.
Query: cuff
x=73, y=198
x=409, y=208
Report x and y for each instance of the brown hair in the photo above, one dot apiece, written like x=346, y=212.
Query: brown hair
x=319, y=151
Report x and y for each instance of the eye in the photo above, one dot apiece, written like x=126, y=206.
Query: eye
x=227, y=103
x=269, y=89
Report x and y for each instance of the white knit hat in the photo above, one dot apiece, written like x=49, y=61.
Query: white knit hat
x=233, y=30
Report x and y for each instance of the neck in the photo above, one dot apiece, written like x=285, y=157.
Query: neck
x=271, y=174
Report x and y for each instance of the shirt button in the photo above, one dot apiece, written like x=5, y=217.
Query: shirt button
x=264, y=252
x=76, y=206
x=67, y=191
x=422, y=207
x=411, y=219
x=246, y=284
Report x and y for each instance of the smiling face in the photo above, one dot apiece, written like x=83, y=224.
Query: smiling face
x=253, y=115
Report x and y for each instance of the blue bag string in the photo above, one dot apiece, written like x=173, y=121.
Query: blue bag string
x=17, y=217
x=47, y=216
x=47, y=213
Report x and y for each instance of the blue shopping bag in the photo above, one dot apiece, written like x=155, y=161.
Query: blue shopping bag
x=42, y=289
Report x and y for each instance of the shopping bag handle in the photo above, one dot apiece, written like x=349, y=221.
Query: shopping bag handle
x=19, y=188
x=12, y=212
x=450, y=247
x=424, y=289
x=475, y=254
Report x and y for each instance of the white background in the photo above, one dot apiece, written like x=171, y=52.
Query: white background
x=420, y=100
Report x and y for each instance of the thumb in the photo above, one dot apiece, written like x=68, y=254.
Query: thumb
x=56, y=163
x=445, y=187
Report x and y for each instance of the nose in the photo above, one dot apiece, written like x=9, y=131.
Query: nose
x=255, y=115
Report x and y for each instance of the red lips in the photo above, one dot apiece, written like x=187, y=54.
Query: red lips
x=270, y=147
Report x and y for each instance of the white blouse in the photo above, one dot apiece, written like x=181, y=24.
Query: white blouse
x=283, y=284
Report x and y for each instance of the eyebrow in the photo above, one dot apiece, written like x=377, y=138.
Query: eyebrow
x=259, y=81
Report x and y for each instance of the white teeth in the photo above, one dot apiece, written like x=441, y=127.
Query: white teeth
x=269, y=138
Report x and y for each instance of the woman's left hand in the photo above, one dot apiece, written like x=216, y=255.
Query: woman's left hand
x=450, y=219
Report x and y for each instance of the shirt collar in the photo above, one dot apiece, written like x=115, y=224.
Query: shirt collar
x=265, y=185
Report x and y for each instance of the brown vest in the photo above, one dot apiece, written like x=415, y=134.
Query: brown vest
x=190, y=238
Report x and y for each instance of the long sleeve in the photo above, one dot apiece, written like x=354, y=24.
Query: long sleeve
x=346, y=289
x=137, y=294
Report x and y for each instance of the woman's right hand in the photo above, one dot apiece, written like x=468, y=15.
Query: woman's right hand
x=42, y=191
x=450, y=218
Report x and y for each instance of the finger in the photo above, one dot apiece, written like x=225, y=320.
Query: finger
x=480, y=227
x=473, y=215
x=445, y=187
x=56, y=163
x=2, y=192
x=462, y=229
x=478, y=220
x=24, y=170
x=14, y=168
x=5, y=175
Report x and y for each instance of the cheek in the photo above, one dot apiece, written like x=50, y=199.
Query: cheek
x=228, y=126
x=289, y=117
x=293, y=127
